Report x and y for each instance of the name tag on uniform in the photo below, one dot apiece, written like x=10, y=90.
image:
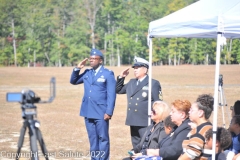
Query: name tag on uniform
x=145, y=88
x=101, y=79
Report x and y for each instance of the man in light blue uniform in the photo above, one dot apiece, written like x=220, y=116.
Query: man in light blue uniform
x=98, y=102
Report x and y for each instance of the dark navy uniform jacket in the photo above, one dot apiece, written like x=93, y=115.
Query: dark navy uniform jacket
x=137, y=99
x=99, y=92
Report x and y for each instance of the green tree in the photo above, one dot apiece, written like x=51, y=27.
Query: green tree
x=236, y=51
x=12, y=26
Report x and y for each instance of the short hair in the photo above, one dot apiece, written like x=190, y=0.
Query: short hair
x=236, y=107
x=224, y=137
x=168, y=122
x=205, y=103
x=182, y=105
x=236, y=119
x=165, y=109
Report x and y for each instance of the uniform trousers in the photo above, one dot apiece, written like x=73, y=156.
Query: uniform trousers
x=98, y=136
x=137, y=133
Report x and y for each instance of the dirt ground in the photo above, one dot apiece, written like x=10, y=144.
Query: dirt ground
x=63, y=129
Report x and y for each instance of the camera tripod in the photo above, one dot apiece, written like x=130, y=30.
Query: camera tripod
x=222, y=100
x=34, y=133
x=27, y=98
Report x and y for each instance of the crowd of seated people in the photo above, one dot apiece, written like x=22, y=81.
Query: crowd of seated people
x=185, y=133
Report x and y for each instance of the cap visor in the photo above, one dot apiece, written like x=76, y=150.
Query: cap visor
x=137, y=65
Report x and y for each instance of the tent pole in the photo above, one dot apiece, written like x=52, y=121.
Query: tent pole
x=215, y=109
x=150, y=81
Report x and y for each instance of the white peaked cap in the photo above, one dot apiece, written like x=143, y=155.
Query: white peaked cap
x=138, y=62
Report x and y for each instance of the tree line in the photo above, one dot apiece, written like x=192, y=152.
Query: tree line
x=62, y=32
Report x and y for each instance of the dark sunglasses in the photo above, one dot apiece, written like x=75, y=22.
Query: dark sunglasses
x=153, y=111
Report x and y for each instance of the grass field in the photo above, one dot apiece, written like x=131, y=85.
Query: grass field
x=64, y=131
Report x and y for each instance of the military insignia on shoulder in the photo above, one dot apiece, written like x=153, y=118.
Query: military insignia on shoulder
x=160, y=95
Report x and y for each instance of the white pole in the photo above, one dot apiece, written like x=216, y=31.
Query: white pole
x=215, y=110
x=150, y=81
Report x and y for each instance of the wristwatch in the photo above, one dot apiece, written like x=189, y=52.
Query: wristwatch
x=76, y=69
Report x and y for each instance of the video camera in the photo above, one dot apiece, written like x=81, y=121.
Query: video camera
x=27, y=98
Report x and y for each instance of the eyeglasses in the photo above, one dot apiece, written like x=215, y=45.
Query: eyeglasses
x=93, y=58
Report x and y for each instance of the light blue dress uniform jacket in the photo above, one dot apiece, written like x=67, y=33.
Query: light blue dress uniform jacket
x=99, y=92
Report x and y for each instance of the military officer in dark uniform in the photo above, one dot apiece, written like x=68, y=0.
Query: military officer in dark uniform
x=137, y=98
x=98, y=102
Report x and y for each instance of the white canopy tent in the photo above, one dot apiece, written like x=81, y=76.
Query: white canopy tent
x=218, y=19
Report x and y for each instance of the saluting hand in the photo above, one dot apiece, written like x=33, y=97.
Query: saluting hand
x=82, y=63
x=125, y=72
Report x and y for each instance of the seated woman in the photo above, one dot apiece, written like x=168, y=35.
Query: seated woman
x=194, y=145
x=170, y=148
x=154, y=132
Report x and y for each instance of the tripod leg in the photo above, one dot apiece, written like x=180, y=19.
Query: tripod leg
x=42, y=144
x=225, y=104
x=222, y=105
x=33, y=140
x=21, y=139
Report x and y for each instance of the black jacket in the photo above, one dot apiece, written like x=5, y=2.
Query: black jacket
x=171, y=146
x=154, y=139
x=137, y=99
